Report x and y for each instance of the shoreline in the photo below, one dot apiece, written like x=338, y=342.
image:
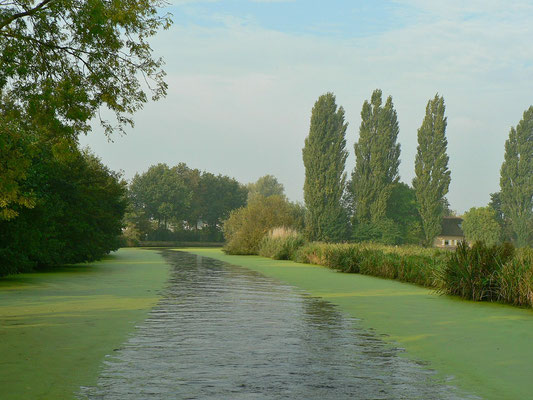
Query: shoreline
x=57, y=327
x=486, y=347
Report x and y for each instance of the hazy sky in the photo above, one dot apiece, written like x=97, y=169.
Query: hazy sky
x=243, y=76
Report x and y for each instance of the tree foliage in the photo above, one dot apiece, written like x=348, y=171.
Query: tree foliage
x=516, y=180
x=246, y=226
x=160, y=194
x=265, y=186
x=481, y=225
x=402, y=209
x=377, y=159
x=324, y=157
x=79, y=206
x=432, y=176
x=62, y=61
x=172, y=203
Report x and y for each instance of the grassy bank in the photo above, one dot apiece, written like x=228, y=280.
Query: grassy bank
x=485, y=346
x=56, y=327
x=498, y=273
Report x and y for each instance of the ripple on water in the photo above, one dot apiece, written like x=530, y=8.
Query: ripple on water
x=225, y=332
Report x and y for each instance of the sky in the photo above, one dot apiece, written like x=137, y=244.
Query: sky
x=243, y=76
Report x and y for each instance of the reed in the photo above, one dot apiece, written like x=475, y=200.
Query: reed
x=475, y=272
x=481, y=273
x=281, y=243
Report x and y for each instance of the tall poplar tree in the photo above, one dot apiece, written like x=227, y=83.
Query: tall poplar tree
x=324, y=157
x=516, y=179
x=377, y=160
x=432, y=176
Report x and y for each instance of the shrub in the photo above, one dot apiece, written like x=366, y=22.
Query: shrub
x=246, y=226
x=475, y=273
x=281, y=243
x=516, y=279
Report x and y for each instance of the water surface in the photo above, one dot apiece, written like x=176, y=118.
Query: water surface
x=225, y=332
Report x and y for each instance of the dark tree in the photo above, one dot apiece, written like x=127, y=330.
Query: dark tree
x=78, y=212
x=324, y=157
x=516, y=180
x=377, y=159
x=432, y=176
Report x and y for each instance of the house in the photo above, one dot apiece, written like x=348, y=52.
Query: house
x=451, y=233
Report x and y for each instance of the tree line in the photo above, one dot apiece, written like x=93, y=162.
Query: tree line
x=374, y=205
x=63, y=62
x=179, y=203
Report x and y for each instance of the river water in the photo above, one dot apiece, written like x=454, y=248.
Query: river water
x=225, y=332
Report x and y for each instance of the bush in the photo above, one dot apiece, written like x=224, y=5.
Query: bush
x=516, y=279
x=475, y=273
x=246, y=226
x=281, y=244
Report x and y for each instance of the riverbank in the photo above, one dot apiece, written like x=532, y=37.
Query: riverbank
x=57, y=327
x=486, y=347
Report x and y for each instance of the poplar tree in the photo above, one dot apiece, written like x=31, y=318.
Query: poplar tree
x=516, y=179
x=324, y=157
x=432, y=176
x=377, y=160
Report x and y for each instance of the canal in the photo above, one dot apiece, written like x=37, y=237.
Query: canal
x=226, y=332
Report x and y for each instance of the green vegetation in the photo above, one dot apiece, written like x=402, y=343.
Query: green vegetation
x=169, y=204
x=77, y=216
x=265, y=186
x=376, y=168
x=281, y=243
x=481, y=225
x=405, y=225
x=516, y=180
x=406, y=264
x=246, y=226
x=485, y=346
x=431, y=168
x=57, y=326
x=481, y=272
x=324, y=156
x=62, y=62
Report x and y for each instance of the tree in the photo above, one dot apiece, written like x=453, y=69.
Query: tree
x=377, y=159
x=62, y=62
x=432, y=176
x=79, y=206
x=161, y=193
x=324, y=157
x=246, y=226
x=219, y=196
x=516, y=179
x=178, y=200
x=481, y=225
x=402, y=209
x=265, y=186
x=495, y=204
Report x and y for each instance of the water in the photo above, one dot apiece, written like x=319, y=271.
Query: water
x=225, y=332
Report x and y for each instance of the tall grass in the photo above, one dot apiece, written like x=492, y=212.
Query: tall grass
x=516, y=279
x=482, y=273
x=281, y=243
x=476, y=272
x=407, y=264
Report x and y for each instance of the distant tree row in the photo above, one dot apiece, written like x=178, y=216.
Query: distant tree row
x=373, y=204
x=180, y=203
